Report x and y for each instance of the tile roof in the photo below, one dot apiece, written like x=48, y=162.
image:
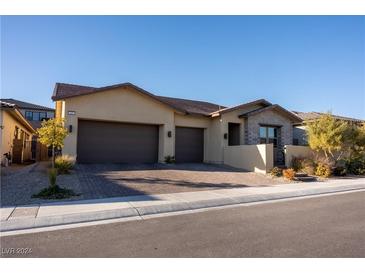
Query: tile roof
x=315, y=115
x=6, y=104
x=192, y=106
x=13, y=108
x=288, y=113
x=26, y=105
x=63, y=91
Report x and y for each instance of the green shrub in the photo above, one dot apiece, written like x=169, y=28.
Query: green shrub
x=289, y=174
x=297, y=163
x=356, y=165
x=169, y=159
x=276, y=172
x=308, y=166
x=339, y=171
x=323, y=170
x=64, y=164
x=52, y=176
x=55, y=192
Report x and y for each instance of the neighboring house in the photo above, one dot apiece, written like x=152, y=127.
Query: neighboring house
x=299, y=132
x=126, y=124
x=16, y=134
x=34, y=114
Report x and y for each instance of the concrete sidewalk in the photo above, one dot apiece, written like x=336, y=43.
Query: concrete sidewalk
x=61, y=213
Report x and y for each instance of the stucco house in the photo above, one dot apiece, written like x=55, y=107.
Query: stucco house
x=124, y=123
x=16, y=134
x=34, y=114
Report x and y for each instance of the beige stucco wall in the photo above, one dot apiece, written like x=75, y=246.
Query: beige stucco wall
x=296, y=151
x=218, y=127
x=8, y=123
x=257, y=158
x=121, y=105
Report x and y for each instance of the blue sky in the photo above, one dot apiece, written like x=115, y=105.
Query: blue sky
x=305, y=63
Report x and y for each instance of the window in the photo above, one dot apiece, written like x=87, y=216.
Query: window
x=42, y=115
x=29, y=115
x=269, y=135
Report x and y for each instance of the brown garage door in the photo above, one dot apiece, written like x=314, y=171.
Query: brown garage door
x=189, y=145
x=109, y=142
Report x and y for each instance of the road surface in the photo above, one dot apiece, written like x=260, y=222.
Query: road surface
x=327, y=226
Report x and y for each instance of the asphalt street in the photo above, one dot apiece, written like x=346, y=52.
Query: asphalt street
x=327, y=226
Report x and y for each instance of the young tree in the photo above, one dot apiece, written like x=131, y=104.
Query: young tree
x=52, y=134
x=327, y=134
x=354, y=140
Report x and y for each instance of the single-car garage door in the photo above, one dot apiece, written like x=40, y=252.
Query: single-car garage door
x=110, y=142
x=189, y=145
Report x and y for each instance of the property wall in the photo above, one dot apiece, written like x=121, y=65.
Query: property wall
x=8, y=123
x=296, y=151
x=257, y=158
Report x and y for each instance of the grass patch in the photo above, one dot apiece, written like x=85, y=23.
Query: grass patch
x=55, y=192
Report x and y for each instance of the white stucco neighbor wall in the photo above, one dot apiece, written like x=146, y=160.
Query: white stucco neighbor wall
x=257, y=158
x=296, y=151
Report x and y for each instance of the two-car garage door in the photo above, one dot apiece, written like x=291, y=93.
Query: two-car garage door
x=111, y=142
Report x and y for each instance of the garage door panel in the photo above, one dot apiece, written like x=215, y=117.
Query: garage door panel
x=109, y=142
x=189, y=144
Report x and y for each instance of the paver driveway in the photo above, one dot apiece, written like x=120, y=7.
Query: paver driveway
x=111, y=180
x=108, y=180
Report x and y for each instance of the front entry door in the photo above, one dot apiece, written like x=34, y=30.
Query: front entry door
x=271, y=135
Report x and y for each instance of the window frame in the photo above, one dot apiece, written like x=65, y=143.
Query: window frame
x=31, y=115
x=267, y=138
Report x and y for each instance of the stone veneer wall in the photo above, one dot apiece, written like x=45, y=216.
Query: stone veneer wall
x=252, y=127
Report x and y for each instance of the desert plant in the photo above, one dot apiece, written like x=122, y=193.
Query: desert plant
x=297, y=163
x=308, y=166
x=339, y=171
x=356, y=165
x=276, y=172
x=323, y=170
x=169, y=159
x=289, y=174
x=326, y=134
x=64, y=164
x=54, y=191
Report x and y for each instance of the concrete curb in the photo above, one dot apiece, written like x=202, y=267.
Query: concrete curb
x=214, y=199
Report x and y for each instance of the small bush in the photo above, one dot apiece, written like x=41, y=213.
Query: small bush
x=289, y=174
x=276, y=172
x=323, y=170
x=54, y=192
x=339, y=171
x=297, y=163
x=64, y=164
x=169, y=159
x=308, y=166
x=52, y=176
x=356, y=166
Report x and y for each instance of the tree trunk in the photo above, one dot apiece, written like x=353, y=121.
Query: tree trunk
x=53, y=156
